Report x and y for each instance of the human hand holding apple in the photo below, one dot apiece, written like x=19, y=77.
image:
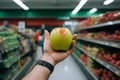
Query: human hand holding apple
x=52, y=56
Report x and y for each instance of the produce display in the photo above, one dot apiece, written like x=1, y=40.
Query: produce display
x=78, y=53
x=102, y=35
x=9, y=73
x=92, y=49
x=103, y=53
x=60, y=39
x=12, y=49
x=108, y=16
x=110, y=57
x=99, y=39
x=90, y=21
x=98, y=70
x=10, y=58
x=83, y=57
x=8, y=39
x=104, y=74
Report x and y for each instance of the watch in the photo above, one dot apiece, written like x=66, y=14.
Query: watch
x=46, y=64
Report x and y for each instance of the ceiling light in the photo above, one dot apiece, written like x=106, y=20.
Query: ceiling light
x=21, y=4
x=79, y=6
x=93, y=10
x=107, y=2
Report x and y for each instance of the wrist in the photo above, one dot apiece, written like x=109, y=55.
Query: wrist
x=48, y=58
x=46, y=64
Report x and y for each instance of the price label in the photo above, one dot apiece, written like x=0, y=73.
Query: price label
x=99, y=61
x=99, y=42
x=116, y=72
x=119, y=45
x=96, y=59
x=93, y=57
x=106, y=43
x=102, y=63
x=115, y=45
x=107, y=66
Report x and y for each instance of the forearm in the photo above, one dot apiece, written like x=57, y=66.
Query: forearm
x=40, y=72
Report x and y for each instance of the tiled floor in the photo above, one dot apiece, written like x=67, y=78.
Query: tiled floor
x=65, y=70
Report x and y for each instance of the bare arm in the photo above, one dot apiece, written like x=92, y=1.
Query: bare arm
x=42, y=73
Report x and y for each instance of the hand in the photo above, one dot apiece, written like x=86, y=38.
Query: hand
x=53, y=56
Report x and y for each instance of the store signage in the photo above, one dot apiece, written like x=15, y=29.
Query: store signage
x=21, y=26
x=63, y=18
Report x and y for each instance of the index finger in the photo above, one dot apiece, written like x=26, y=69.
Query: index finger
x=74, y=36
x=72, y=47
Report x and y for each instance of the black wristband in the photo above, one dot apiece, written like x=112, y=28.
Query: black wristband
x=46, y=64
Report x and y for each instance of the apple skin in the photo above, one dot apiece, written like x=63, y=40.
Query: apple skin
x=60, y=39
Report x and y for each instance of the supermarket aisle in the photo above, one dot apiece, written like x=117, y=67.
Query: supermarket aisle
x=38, y=53
x=65, y=70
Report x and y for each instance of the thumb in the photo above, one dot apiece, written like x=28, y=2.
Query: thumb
x=46, y=34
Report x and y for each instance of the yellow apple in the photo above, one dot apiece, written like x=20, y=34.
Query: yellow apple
x=60, y=39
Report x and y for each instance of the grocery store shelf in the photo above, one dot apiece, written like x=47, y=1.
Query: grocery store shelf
x=102, y=62
x=14, y=61
x=10, y=49
x=102, y=25
x=11, y=63
x=105, y=43
x=23, y=70
x=28, y=51
x=88, y=72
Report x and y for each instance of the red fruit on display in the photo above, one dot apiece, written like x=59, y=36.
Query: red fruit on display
x=117, y=63
x=113, y=62
x=104, y=74
x=114, y=56
x=83, y=57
